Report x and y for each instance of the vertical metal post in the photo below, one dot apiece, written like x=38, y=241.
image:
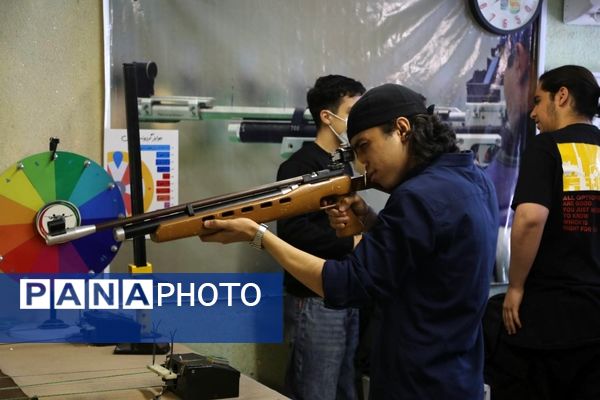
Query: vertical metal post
x=140, y=264
x=135, y=158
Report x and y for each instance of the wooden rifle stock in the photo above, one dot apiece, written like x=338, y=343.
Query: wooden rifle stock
x=301, y=199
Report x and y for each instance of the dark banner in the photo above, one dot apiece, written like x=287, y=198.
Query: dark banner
x=143, y=308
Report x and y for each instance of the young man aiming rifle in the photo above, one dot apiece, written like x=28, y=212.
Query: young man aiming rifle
x=425, y=259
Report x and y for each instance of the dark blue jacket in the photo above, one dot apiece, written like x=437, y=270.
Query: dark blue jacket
x=427, y=263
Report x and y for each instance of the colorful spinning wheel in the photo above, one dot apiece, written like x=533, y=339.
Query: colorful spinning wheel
x=40, y=191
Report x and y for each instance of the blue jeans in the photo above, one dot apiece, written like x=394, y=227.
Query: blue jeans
x=323, y=343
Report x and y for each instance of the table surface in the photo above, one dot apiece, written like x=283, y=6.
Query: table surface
x=80, y=371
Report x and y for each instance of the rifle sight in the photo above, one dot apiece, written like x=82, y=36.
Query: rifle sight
x=341, y=157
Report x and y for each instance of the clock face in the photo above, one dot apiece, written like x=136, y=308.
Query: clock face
x=505, y=16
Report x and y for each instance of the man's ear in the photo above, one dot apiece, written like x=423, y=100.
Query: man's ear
x=563, y=96
x=403, y=126
x=325, y=117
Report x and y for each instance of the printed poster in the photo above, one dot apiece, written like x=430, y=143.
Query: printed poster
x=160, y=166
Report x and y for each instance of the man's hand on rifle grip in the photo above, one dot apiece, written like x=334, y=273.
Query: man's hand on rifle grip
x=347, y=215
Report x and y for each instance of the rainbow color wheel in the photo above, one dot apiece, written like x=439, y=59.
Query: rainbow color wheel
x=37, y=189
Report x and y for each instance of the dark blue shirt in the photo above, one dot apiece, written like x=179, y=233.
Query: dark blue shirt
x=427, y=263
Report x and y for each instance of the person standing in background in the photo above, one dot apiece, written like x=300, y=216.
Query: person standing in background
x=322, y=340
x=550, y=347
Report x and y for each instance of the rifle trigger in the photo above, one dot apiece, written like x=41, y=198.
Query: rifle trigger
x=190, y=210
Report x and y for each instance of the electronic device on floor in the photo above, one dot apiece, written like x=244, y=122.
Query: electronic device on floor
x=192, y=376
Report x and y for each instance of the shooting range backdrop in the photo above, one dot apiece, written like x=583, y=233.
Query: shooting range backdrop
x=267, y=53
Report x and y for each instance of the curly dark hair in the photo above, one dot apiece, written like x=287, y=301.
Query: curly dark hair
x=428, y=138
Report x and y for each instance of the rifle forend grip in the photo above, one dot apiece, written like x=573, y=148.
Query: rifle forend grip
x=179, y=229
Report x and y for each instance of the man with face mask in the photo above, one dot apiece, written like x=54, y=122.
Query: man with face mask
x=322, y=340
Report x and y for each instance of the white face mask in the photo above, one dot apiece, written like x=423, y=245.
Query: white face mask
x=342, y=136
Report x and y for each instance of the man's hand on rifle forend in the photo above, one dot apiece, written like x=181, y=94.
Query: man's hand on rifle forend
x=229, y=230
x=338, y=216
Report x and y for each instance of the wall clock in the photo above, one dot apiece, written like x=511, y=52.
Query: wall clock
x=505, y=16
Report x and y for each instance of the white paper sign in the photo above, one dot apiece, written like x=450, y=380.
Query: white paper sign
x=160, y=166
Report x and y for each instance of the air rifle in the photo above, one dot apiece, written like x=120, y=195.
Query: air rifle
x=283, y=199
